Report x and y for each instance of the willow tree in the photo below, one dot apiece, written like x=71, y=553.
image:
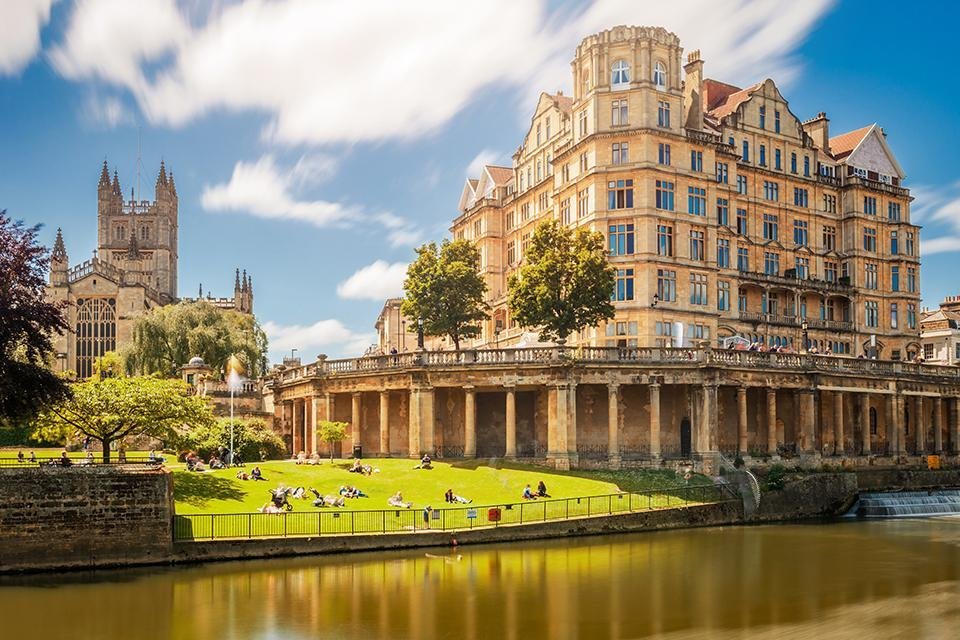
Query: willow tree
x=444, y=289
x=564, y=284
x=111, y=409
x=167, y=337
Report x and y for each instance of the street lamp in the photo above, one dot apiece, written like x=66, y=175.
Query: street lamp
x=803, y=327
x=420, y=333
x=403, y=324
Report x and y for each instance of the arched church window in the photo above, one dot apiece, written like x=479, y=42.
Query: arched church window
x=660, y=75
x=620, y=74
x=96, y=332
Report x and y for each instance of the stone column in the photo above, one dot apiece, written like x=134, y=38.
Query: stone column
x=654, y=421
x=955, y=425
x=707, y=438
x=865, y=423
x=511, y=450
x=937, y=425
x=558, y=413
x=297, y=426
x=613, y=425
x=921, y=430
x=838, y=422
x=427, y=421
x=901, y=407
x=772, y=421
x=742, y=420
x=808, y=415
x=384, y=424
x=470, y=423
x=355, y=418
x=414, y=414
x=572, y=454
x=314, y=424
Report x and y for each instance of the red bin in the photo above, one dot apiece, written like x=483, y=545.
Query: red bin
x=493, y=515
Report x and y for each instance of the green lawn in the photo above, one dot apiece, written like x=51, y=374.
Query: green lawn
x=221, y=492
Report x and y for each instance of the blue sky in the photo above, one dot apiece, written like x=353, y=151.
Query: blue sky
x=315, y=147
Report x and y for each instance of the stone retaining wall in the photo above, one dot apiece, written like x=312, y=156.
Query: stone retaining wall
x=78, y=517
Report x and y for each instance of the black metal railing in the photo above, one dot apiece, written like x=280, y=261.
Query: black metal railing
x=332, y=522
x=48, y=461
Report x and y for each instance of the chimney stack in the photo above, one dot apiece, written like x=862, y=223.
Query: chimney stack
x=818, y=128
x=693, y=91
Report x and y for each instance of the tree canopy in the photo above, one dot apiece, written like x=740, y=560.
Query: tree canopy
x=331, y=432
x=445, y=289
x=167, y=337
x=111, y=409
x=27, y=322
x=564, y=284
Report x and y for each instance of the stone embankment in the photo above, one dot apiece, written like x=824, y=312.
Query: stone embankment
x=98, y=517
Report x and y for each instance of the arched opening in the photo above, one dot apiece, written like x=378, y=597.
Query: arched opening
x=620, y=74
x=660, y=76
x=96, y=332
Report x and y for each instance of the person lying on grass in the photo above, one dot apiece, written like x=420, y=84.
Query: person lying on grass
x=348, y=491
x=450, y=496
x=327, y=500
x=396, y=500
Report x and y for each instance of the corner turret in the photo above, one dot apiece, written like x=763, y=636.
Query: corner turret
x=59, y=262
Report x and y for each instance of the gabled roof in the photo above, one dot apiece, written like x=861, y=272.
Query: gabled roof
x=564, y=103
x=732, y=101
x=500, y=175
x=843, y=145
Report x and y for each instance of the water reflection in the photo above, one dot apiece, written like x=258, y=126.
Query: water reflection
x=804, y=581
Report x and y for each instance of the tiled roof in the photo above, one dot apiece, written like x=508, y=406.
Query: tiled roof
x=733, y=101
x=715, y=92
x=843, y=145
x=473, y=182
x=564, y=103
x=501, y=175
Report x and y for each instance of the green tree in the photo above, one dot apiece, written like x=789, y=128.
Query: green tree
x=27, y=323
x=167, y=337
x=332, y=433
x=111, y=409
x=564, y=284
x=109, y=365
x=252, y=439
x=445, y=289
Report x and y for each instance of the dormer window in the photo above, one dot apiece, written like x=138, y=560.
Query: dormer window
x=620, y=75
x=660, y=76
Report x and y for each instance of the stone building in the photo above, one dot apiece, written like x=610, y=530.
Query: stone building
x=940, y=333
x=726, y=214
x=133, y=270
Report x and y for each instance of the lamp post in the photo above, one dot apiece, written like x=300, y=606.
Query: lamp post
x=420, y=333
x=403, y=324
x=803, y=327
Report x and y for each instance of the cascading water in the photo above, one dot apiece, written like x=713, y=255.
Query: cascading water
x=904, y=504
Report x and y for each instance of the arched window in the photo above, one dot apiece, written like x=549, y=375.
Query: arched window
x=873, y=421
x=96, y=332
x=144, y=233
x=660, y=75
x=620, y=74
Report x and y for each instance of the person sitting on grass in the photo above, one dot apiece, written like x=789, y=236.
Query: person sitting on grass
x=450, y=496
x=528, y=493
x=314, y=458
x=256, y=474
x=301, y=458
x=242, y=475
x=425, y=462
x=33, y=457
x=64, y=460
x=357, y=466
x=396, y=500
x=20, y=456
x=542, y=490
x=215, y=462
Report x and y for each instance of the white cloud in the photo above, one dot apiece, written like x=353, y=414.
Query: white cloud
x=482, y=159
x=112, y=39
x=938, y=208
x=20, y=40
x=108, y=112
x=330, y=74
x=328, y=336
x=264, y=190
x=376, y=281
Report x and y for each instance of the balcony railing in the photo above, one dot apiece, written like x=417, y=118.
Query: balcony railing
x=795, y=321
x=793, y=283
x=636, y=356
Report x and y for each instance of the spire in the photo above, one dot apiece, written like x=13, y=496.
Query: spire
x=236, y=281
x=243, y=287
x=59, y=250
x=200, y=295
x=104, y=175
x=173, y=187
x=162, y=176
x=250, y=285
x=116, y=184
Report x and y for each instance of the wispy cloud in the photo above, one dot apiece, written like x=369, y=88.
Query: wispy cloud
x=22, y=21
x=327, y=336
x=108, y=112
x=376, y=281
x=938, y=208
x=482, y=159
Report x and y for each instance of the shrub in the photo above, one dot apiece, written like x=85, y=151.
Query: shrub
x=776, y=477
x=252, y=439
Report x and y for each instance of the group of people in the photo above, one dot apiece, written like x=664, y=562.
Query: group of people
x=362, y=469
x=255, y=474
x=21, y=459
x=313, y=459
x=528, y=493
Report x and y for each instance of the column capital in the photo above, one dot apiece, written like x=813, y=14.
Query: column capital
x=469, y=388
x=613, y=386
x=384, y=392
x=356, y=394
x=509, y=387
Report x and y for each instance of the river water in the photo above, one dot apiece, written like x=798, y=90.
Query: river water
x=877, y=579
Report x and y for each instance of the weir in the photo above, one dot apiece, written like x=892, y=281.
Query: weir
x=905, y=504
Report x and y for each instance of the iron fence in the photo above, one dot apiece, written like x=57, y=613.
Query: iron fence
x=332, y=522
x=47, y=461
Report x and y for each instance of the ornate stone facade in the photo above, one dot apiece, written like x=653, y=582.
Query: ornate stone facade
x=726, y=214
x=133, y=270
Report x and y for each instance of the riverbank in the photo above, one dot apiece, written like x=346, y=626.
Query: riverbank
x=82, y=542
